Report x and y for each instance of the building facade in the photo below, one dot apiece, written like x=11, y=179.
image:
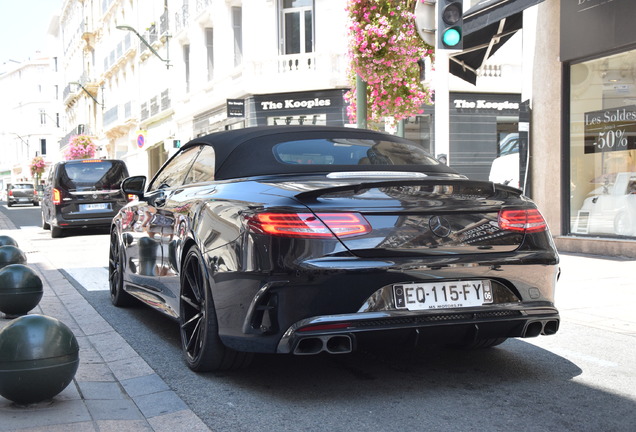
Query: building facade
x=584, y=126
x=144, y=77
x=31, y=116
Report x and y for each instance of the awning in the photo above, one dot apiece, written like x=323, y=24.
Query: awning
x=487, y=26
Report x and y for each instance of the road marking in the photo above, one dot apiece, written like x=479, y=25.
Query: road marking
x=91, y=278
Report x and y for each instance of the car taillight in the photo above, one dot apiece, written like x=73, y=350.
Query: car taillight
x=132, y=197
x=57, y=197
x=309, y=225
x=10, y=193
x=528, y=221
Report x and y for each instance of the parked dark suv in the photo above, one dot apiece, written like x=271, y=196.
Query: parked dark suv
x=83, y=193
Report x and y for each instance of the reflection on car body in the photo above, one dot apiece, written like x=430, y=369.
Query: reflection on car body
x=610, y=208
x=505, y=168
x=278, y=240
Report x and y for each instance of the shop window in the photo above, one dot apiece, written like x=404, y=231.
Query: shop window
x=297, y=26
x=603, y=146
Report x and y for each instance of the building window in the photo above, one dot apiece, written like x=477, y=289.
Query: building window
x=186, y=61
x=603, y=146
x=237, y=28
x=43, y=117
x=43, y=146
x=209, y=46
x=297, y=26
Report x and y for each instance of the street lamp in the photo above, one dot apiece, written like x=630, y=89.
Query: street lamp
x=145, y=42
x=88, y=93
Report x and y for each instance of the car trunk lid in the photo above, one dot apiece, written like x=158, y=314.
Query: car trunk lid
x=424, y=216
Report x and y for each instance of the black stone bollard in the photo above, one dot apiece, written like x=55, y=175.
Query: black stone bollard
x=6, y=240
x=39, y=356
x=20, y=290
x=10, y=254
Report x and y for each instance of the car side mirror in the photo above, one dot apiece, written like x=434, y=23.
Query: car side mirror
x=134, y=185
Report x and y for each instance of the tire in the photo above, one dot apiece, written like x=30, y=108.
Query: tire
x=56, y=232
x=45, y=225
x=203, y=349
x=35, y=204
x=480, y=343
x=118, y=296
x=9, y=204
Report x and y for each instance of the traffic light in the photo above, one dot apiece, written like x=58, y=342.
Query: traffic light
x=450, y=34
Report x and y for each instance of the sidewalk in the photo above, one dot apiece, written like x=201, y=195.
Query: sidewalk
x=114, y=389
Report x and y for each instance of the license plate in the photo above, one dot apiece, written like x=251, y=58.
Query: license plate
x=96, y=206
x=442, y=295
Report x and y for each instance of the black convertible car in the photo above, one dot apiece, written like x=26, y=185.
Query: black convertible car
x=318, y=239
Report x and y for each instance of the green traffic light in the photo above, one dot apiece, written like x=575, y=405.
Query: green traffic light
x=451, y=37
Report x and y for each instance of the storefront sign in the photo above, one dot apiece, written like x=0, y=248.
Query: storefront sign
x=483, y=104
x=323, y=107
x=611, y=129
x=235, y=107
x=294, y=104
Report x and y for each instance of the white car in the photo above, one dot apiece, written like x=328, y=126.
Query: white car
x=505, y=168
x=610, y=209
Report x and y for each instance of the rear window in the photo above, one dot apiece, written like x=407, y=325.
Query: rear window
x=92, y=175
x=22, y=186
x=326, y=151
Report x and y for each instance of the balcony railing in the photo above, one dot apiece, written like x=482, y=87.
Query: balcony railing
x=155, y=105
x=117, y=114
x=111, y=115
x=296, y=62
x=118, y=52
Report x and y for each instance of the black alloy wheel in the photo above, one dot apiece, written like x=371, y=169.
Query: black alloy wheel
x=118, y=296
x=203, y=349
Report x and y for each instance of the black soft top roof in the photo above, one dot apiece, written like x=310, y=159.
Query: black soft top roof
x=248, y=152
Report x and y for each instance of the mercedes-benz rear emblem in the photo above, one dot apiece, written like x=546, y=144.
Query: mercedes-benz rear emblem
x=439, y=226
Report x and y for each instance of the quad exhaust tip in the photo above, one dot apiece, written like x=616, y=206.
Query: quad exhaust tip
x=536, y=328
x=335, y=344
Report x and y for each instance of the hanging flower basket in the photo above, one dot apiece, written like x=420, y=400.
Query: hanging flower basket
x=384, y=50
x=80, y=147
x=37, y=166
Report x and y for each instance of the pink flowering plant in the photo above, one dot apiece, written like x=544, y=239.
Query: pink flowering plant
x=80, y=147
x=384, y=50
x=37, y=166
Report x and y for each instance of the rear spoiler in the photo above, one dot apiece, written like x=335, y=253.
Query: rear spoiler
x=468, y=187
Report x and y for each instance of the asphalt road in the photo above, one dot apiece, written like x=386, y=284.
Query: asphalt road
x=581, y=379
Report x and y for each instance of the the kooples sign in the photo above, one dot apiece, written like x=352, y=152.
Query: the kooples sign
x=288, y=104
x=483, y=104
x=611, y=129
